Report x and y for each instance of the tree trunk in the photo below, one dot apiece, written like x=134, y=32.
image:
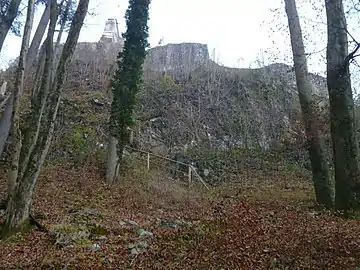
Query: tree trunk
x=5, y=121
x=38, y=75
x=17, y=211
x=18, y=208
x=38, y=36
x=343, y=128
x=310, y=110
x=49, y=114
x=61, y=31
x=126, y=83
x=7, y=20
x=112, y=168
x=3, y=90
x=35, y=119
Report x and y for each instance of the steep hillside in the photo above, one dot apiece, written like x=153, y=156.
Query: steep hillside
x=188, y=103
x=195, y=101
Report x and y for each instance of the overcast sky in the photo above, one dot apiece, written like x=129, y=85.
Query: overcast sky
x=233, y=27
x=240, y=31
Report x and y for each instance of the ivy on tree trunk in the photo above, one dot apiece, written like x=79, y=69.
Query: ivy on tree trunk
x=126, y=83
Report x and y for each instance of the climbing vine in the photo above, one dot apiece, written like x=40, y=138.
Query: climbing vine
x=127, y=80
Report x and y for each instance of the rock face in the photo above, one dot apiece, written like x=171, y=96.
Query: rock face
x=287, y=73
x=92, y=62
x=173, y=59
x=224, y=107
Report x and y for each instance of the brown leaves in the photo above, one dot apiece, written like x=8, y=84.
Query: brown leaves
x=246, y=239
x=190, y=231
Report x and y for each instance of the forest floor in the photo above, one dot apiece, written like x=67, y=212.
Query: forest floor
x=148, y=222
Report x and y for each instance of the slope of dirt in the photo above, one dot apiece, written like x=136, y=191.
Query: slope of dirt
x=267, y=225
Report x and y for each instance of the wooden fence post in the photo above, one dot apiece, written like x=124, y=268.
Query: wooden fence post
x=191, y=171
x=148, y=161
x=189, y=177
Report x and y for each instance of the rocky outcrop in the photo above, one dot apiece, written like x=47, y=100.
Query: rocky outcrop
x=285, y=72
x=174, y=59
x=224, y=107
x=188, y=99
x=177, y=60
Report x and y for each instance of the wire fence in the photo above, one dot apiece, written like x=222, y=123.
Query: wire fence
x=152, y=159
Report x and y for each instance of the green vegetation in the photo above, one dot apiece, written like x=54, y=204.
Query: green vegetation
x=15, y=238
x=79, y=138
x=127, y=79
x=80, y=231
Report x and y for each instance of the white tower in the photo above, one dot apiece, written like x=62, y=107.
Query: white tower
x=111, y=31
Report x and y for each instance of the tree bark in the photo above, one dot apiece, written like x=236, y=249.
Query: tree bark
x=8, y=19
x=61, y=31
x=112, y=168
x=342, y=114
x=17, y=197
x=33, y=168
x=38, y=36
x=41, y=89
x=310, y=110
x=35, y=119
x=18, y=208
x=5, y=121
x=38, y=75
x=115, y=149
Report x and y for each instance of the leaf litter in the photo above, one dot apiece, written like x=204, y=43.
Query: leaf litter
x=124, y=227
